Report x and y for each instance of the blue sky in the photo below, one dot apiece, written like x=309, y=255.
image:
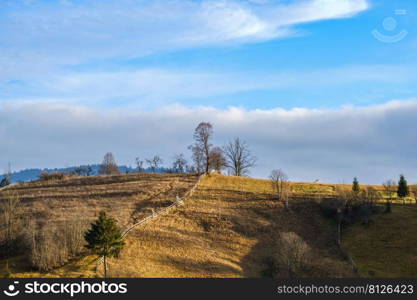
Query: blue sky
x=111, y=58
x=304, y=60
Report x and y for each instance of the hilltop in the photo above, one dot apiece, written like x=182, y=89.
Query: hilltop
x=33, y=174
x=126, y=196
x=55, y=213
x=229, y=227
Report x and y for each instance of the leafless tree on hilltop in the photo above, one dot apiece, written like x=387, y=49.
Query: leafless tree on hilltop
x=217, y=159
x=180, y=164
x=154, y=163
x=239, y=159
x=280, y=185
x=109, y=166
x=202, y=146
x=390, y=188
x=139, y=165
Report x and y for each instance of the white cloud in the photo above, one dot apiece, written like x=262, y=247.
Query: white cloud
x=152, y=87
x=309, y=11
x=374, y=143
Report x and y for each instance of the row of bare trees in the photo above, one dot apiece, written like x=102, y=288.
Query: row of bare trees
x=109, y=166
x=52, y=246
x=234, y=156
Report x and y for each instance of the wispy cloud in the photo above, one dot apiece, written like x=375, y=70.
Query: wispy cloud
x=157, y=86
x=40, y=36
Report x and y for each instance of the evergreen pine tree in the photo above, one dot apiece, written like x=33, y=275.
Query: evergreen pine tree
x=104, y=238
x=355, y=185
x=402, y=190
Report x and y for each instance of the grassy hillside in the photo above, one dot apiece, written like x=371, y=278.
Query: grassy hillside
x=228, y=228
x=129, y=197
x=80, y=267
x=388, y=247
x=57, y=204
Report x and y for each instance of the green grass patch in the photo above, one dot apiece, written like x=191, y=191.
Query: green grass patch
x=387, y=247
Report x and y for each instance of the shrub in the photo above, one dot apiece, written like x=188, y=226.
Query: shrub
x=293, y=253
x=271, y=267
x=351, y=206
x=13, y=247
x=329, y=207
x=51, y=247
x=5, y=181
x=51, y=176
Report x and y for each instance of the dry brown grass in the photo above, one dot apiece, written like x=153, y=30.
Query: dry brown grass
x=228, y=228
x=128, y=198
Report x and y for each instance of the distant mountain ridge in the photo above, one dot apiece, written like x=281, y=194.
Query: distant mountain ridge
x=33, y=174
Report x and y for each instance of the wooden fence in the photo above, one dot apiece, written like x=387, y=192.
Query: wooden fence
x=178, y=202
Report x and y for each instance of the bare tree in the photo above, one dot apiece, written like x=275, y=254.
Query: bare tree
x=344, y=198
x=201, y=147
x=198, y=158
x=217, y=159
x=390, y=188
x=238, y=157
x=109, y=166
x=180, y=163
x=293, y=253
x=368, y=197
x=280, y=185
x=154, y=163
x=139, y=165
x=191, y=170
x=413, y=191
x=52, y=246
